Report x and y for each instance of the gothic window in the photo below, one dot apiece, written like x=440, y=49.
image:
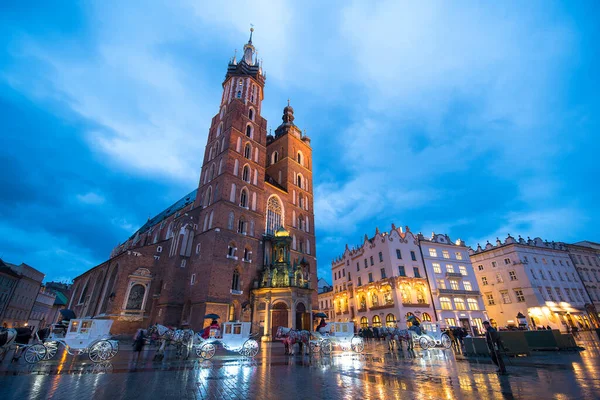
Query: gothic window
x=210, y=219
x=252, y=228
x=219, y=129
x=299, y=181
x=83, y=293
x=244, y=198
x=170, y=231
x=248, y=151
x=235, y=282
x=274, y=157
x=207, y=201
x=222, y=114
x=220, y=166
x=251, y=114
x=301, y=200
x=136, y=297
x=109, y=292
x=274, y=215
x=246, y=174
x=216, y=195
x=299, y=158
x=249, y=130
x=212, y=172
x=230, y=220
x=236, y=167
x=252, y=93
x=242, y=225
x=231, y=250
x=239, y=90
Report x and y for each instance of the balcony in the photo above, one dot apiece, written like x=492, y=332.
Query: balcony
x=460, y=292
x=382, y=307
x=454, y=275
x=415, y=304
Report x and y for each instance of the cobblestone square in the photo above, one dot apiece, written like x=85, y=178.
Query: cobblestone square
x=376, y=374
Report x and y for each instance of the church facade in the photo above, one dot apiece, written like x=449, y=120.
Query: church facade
x=242, y=245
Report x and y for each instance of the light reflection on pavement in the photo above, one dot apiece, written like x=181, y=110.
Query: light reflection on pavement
x=376, y=374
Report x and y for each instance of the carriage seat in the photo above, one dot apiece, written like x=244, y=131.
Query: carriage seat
x=214, y=333
x=325, y=329
x=23, y=335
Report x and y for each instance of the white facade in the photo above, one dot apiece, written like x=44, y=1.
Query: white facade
x=325, y=296
x=454, y=286
x=382, y=281
x=586, y=260
x=531, y=277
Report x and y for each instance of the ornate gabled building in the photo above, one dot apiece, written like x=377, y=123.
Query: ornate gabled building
x=242, y=245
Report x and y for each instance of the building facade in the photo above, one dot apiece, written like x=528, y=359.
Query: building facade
x=454, y=287
x=586, y=260
x=242, y=245
x=8, y=284
x=24, y=295
x=533, y=277
x=326, y=299
x=41, y=312
x=382, y=281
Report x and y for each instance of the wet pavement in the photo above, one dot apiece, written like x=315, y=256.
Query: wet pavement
x=376, y=374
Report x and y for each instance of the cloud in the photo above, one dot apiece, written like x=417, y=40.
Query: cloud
x=90, y=198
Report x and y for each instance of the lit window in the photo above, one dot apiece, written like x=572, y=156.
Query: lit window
x=445, y=253
x=441, y=284
x=463, y=270
x=458, y=255
x=433, y=252
x=473, y=304
x=459, y=304
x=453, y=285
x=450, y=268
x=445, y=303
x=505, y=297
x=499, y=278
x=436, y=268
x=467, y=285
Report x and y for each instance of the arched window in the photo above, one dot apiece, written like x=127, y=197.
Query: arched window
x=299, y=158
x=219, y=128
x=83, y=293
x=244, y=198
x=222, y=114
x=239, y=89
x=390, y=321
x=136, y=297
x=374, y=300
x=220, y=166
x=299, y=181
x=242, y=225
x=110, y=287
x=230, y=220
x=426, y=317
x=376, y=321
x=300, y=222
x=207, y=201
x=235, y=282
x=248, y=151
x=249, y=130
x=362, y=302
x=251, y=114
x=301, y=200
x=231, y=250
x=274, y=215
x=246, y=174
x=364, y=322
x=213, y=172
x=274, y=157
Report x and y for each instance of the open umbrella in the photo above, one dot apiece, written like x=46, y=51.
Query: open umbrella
x=67, y=314
x=211, y=316
x=320, y=315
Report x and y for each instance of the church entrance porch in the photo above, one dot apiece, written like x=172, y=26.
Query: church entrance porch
x=279, y=317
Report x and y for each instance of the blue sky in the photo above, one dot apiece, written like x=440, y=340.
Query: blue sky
x=475, y=119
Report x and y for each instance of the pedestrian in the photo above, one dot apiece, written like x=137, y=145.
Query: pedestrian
x=376, y=333
x=548, y=327
x=575, y=332
x=494, y=344
x=139, y=340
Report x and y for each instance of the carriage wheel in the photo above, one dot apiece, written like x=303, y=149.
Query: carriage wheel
x=314, y=346
x=424, y=342
x=326, y=346
x=207, y=351
x=51, y=350
x=100, y=351
x=358, y=345
x=35, y=353
x=446, y=342
x=115, y=349
x=250, y=348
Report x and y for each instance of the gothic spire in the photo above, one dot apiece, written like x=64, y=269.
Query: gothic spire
x=249, y=50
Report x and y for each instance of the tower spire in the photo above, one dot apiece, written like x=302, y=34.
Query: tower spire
x=251, y=30
x=249, y=49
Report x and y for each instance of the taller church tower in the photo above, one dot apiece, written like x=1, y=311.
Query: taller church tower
x=253, y=256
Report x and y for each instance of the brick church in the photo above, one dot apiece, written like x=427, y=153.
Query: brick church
x=242, y=245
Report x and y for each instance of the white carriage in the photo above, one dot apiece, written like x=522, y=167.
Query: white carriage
x=432, y=336
x=340, y=334
x=91, y=336
x=233, y=336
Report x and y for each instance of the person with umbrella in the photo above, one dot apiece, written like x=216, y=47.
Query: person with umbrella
x=322, y=324
x=213, y=325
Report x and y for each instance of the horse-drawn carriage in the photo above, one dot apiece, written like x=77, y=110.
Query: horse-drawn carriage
x=340, y=334
x=432, y=336
x=81, y=336
x=233, y=336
